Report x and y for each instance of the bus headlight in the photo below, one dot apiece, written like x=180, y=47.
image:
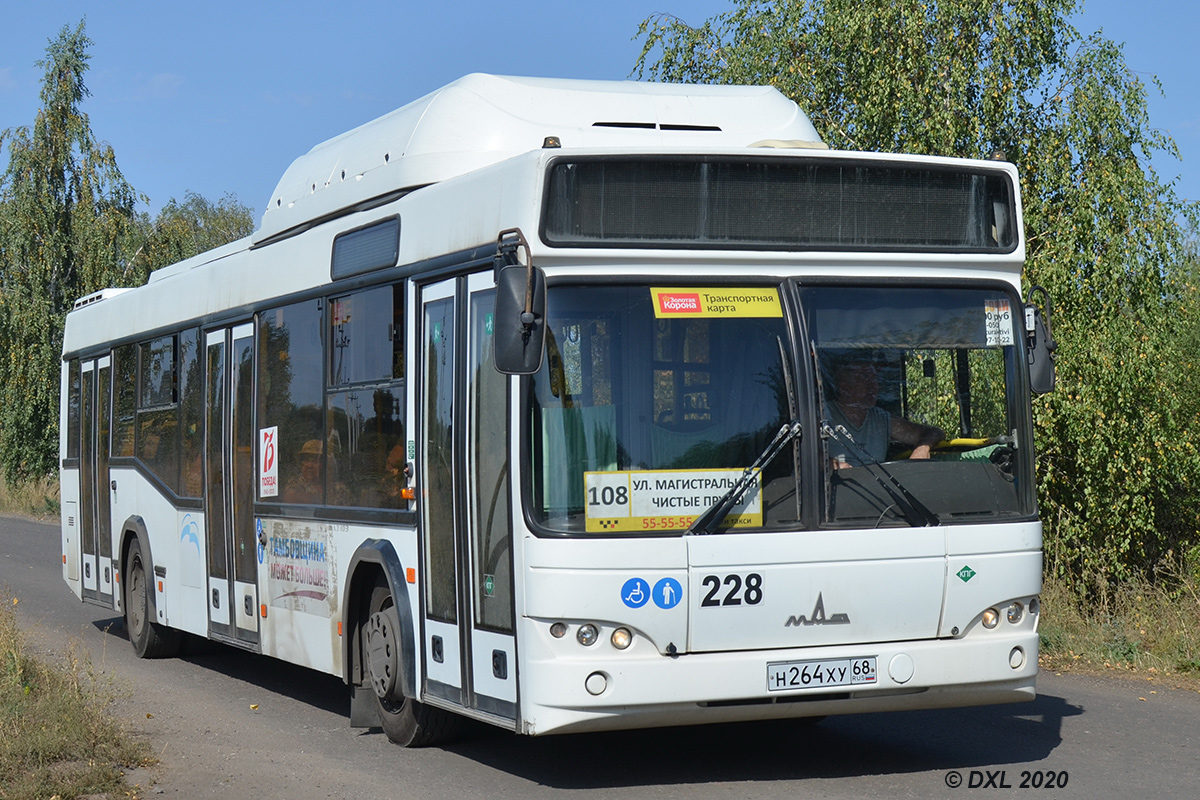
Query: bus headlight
x=587, y=635
x=621, y=638
x=1015, y=612
x=990, y=618
x=558, y=630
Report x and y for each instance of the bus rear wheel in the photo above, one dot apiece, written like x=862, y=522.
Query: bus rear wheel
x=405, y=720
x=149, y=639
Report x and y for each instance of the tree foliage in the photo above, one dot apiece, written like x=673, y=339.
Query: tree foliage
x=68, y=227
x=66, y=215
x=1120, y=475
x=183, y=230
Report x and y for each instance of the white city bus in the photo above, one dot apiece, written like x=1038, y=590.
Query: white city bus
x=529, y=403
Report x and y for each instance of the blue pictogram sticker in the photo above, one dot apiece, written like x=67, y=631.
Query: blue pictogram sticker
x=262, y=551
x=189, y=533
x=667, y=593
x=635, y=592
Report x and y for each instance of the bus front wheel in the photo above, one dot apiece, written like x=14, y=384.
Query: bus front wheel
x=405, y=720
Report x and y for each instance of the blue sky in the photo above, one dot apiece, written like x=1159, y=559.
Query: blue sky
x=219, y=97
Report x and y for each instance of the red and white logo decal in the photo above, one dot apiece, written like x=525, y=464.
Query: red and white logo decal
x=678, y=303
x=268, y=474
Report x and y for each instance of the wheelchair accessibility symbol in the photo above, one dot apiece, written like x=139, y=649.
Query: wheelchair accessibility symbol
x=666, y=593
x=635, y=593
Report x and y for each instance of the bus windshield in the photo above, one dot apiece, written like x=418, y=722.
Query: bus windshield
x=652, y=401
x=921, y=418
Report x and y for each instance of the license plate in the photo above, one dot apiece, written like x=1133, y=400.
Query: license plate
x=787, y=675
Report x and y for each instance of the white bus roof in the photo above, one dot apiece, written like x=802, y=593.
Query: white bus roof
x=480, y=120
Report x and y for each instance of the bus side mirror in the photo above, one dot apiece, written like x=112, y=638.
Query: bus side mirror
x=520, y=320
x=1041, y=344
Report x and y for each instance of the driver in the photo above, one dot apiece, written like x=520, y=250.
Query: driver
x=855, y=391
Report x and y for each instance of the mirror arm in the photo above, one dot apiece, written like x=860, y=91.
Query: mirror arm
x=502, y=248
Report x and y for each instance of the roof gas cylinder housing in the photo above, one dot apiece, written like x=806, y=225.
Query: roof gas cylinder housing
x=479, y=120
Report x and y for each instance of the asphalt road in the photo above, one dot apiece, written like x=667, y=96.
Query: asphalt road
x=1100, y=737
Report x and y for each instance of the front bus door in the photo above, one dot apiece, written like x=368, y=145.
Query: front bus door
x=465, y=506
x=229, y=464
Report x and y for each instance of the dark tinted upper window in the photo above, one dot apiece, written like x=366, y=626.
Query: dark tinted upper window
x=365, y=249
x=777, y=203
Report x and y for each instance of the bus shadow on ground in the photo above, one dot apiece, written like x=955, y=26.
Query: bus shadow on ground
x=838, y=747
x=317, y=689
x=900, y=742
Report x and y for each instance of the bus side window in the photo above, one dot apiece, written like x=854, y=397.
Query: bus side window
x=290, y=396
x=191, y=413
x=157, y=427
x=73, y=399
x=365, y=399
x=124, y=399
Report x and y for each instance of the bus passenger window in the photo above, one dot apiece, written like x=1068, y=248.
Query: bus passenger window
x=158, y=412
x=365, y=399
x=124, y=399
x=73, y=394
x=191, y=410
x=290, y=394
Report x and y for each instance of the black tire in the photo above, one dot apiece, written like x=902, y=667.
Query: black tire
x=149, y=639
x=405, y=720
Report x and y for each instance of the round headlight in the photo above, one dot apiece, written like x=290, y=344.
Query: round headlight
x=990, y=618
x=587, y=635
x=558, y=630
x=1035, y=605
x=621, y=638
x=1015, y=612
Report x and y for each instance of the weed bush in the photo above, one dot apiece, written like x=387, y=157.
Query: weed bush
x=38, y=498
x=57, y=735
x=1143, y=625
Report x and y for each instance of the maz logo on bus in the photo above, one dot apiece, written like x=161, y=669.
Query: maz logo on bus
x=818, y=617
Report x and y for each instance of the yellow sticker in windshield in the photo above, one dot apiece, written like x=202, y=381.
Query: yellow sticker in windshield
x=716, y=302
x=665, y=500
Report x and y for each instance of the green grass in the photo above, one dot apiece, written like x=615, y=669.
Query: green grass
x=37, y=498
x=57, y=735
x=1146, y=627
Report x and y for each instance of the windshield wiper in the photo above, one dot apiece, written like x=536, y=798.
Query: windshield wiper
x=716, y=513
x=916, y=513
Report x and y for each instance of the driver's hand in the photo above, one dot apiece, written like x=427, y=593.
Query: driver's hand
x=920, y=451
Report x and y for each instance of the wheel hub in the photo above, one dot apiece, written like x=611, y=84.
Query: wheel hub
x=383, y=659
x=137, y=601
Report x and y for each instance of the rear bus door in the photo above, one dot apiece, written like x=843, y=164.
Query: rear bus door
x=95, y=507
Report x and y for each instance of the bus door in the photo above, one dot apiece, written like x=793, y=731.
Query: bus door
x=464, y=502
x=95, y=502
x=232, y=540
